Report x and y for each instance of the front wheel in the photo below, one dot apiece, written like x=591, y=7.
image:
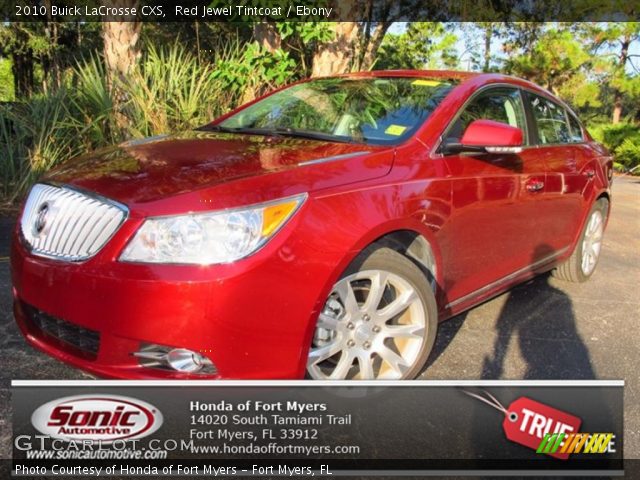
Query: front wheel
x=582, y=263
x=379, y=322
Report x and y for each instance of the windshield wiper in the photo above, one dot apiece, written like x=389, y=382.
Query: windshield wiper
x=291, y=132
x=327, y=137
x=279, y=132
x=245, y=130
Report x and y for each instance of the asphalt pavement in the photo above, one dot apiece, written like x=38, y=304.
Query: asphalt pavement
x=543, y=329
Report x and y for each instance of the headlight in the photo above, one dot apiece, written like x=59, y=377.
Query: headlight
x=208, y=238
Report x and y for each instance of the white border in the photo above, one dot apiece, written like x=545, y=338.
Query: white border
x=317, y=383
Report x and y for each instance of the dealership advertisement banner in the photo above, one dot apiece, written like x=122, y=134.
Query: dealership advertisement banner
x=284, y=429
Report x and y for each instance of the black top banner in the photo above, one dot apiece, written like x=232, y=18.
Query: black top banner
x=320, y=10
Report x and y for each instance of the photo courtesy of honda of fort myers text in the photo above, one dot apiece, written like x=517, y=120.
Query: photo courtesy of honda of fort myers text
x=361, y=238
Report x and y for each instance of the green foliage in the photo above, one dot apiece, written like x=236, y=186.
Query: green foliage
x=614, y=64
x=423, y=45
x=555, y=59
x=34, y=136
x=308, y=32
x=479, y=38
x=253, y=69
x=623, y=140
x=170, y=91
x=7, y=93
x=613, y=135
x=41, y=51
x=628, y=153
x=92, y=112
x=200, y=38
x=579, y=92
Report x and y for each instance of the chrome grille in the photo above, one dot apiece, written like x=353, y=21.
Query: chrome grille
x=63, y=223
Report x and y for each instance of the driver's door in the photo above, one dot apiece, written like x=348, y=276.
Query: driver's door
x=493, y=231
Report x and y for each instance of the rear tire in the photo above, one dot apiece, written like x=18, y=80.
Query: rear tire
x=582, y=263
x=379, y=321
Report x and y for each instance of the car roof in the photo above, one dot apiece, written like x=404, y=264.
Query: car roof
x=474, y=79
x=478, y=78
x=445, y=74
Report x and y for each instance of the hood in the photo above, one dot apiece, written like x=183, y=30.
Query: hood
x=159, y=167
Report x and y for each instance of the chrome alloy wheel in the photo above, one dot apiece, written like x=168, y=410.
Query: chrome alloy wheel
x=373, y=326
x=592, y=242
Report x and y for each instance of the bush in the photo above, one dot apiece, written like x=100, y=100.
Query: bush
x=92, y=104
x=34, y=136
x=250, y=71
x=6, y=81
x=170, y=91
x=622, y=140
x=628, y=153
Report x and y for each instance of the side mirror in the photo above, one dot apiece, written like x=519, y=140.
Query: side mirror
x=487, y=136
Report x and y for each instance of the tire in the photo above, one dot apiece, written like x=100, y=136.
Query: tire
x=577, y=268
x=379, y=321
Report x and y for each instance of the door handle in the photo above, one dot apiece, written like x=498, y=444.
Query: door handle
x=535, y=186
x=589, y=173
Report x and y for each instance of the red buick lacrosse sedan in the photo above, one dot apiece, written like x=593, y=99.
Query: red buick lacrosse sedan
x=323, y=230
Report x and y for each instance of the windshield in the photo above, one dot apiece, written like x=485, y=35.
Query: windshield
x=365, y=110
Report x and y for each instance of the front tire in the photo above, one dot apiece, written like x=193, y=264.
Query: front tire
x=379, y=321
x=584, y=259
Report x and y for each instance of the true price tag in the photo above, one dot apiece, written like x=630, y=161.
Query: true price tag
x=526, y=421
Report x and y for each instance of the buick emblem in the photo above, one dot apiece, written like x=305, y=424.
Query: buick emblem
x=41, y=218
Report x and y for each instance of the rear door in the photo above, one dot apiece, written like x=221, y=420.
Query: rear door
x=493, y=230
x=559, y=141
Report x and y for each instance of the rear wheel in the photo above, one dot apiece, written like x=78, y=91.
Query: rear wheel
x=584, y=259
x=379, y=322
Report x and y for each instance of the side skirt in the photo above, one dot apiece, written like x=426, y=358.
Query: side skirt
x=501, y=285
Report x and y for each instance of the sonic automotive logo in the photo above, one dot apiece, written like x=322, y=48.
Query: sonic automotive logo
x=104, y=418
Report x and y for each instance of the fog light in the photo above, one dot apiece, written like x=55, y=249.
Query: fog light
x=174, y=359
x=185, y=360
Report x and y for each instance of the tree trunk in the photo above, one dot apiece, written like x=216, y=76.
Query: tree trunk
x=337, y=55
x=617, y=107
x=488, y=34
x=371, y=49
x=121, y=55
x=121, y=51
x=197, y=29
x=617, y=97
x=52, y=69
x=267, y=36
x=22, y=63
x=22, y=69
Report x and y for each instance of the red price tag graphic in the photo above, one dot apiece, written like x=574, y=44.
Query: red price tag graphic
x=526, y=421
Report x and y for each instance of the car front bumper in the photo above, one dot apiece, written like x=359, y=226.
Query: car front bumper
x=253, y=319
